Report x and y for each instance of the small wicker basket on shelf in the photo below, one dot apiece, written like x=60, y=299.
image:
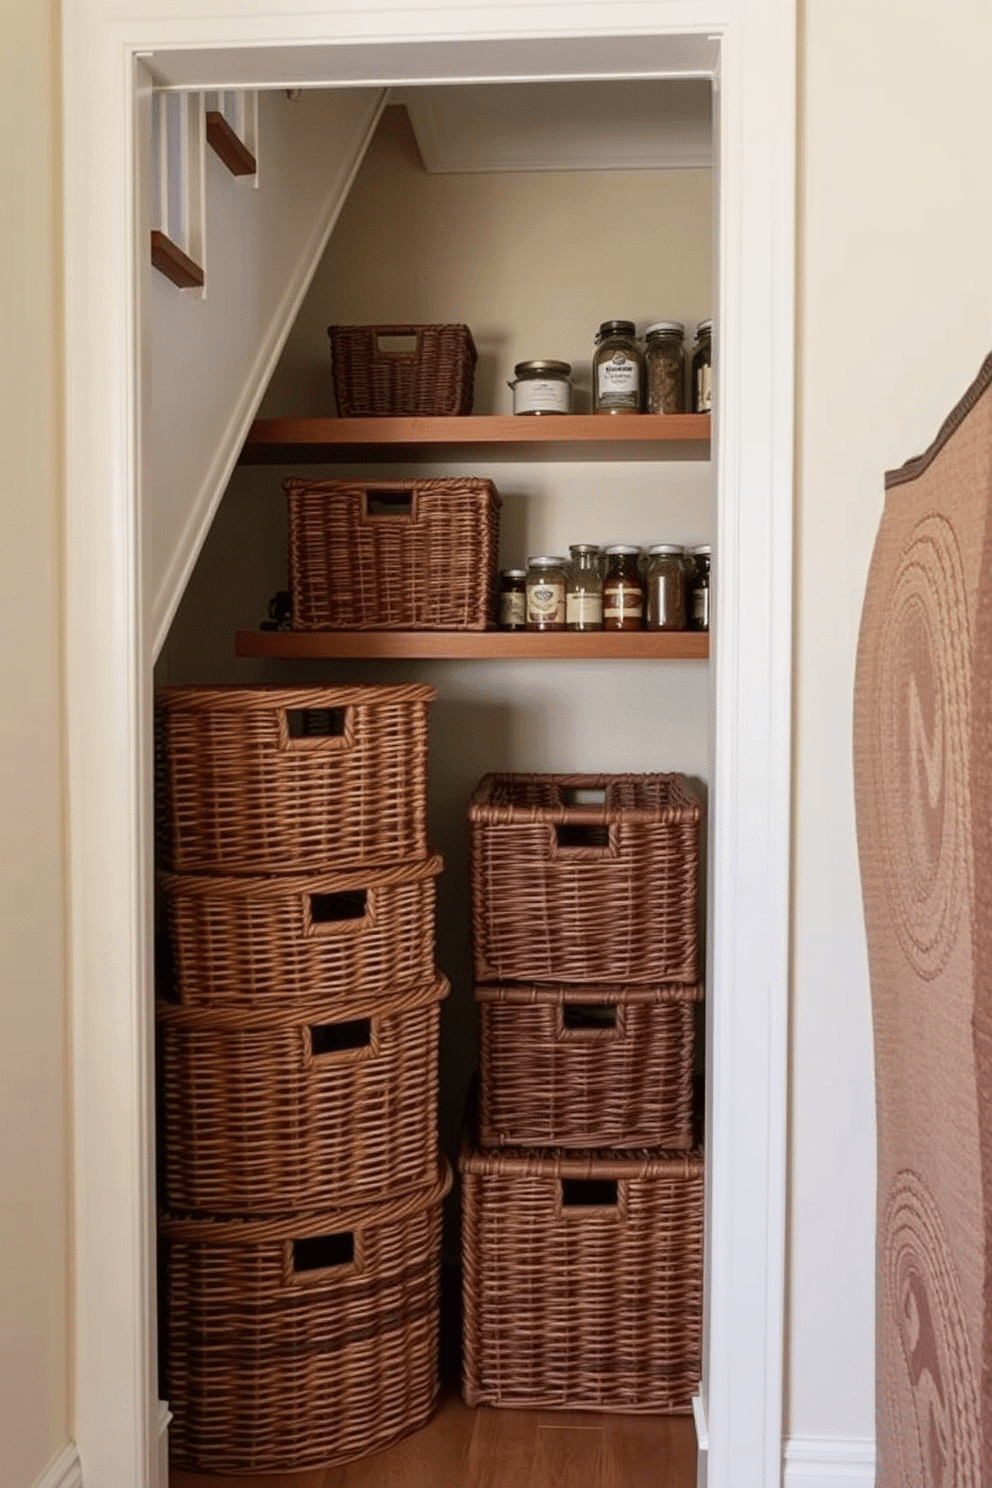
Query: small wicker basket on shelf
x=371, y=380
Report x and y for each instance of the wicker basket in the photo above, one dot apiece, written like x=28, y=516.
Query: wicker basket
x=308, y=1112
x=241, y=942
x=582, y=1279
x=273, y=1368
x=240, y=793
x=393, y=555
x=433, y=380
x=571, y=889
x=586, y=1067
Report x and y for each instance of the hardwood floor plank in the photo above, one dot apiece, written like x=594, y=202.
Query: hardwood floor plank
x=650, y=1452
x=570, y=1455
x=503, y=1448
x=434, y=1457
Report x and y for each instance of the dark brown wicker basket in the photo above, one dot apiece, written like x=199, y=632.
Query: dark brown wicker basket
x=302, y=1342
x=393, y=555
x=308, y=1111
x=435, y=379
x=241, y=942
x=585, y=878
x=240, y=793
x=586, y=1066
x=582, y=1279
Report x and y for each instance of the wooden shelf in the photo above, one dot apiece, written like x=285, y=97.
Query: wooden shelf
x=480, y=645
x=579, y=436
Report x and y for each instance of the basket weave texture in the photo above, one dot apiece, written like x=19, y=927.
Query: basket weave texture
x=239, y=793
x=274, y=1369
x=623, y=1078
x=581, y=1308
x=259, y=1119
x=621, y=910
x=245, y=942
x=434, y=380
x=426, y=562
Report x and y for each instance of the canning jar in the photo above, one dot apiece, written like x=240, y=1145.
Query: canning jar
x=546, y=582
x=665, y=585
x=541, y=387
x=512, y=599
x=699, y=600
x=664, y=367
x=617, y=369
x=702, y=368
x=584, y=593
x=623, y=589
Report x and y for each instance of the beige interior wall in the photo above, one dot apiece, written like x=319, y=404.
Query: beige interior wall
x=35, y=1409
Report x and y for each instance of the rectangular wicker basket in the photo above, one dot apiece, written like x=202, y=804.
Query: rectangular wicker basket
x=586, y=1067
x=393, y=555
x=263, y=1114
x=582, y=1279
x=272, y=941
x=255, y=780
x=302, y=1342
x=585, y=878
x=434, y=379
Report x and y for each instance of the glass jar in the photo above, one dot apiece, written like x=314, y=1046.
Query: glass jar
x=584, y=594
x=666, y=587
x=702, y=368
x=699, y=598
x=623, y=589
x=546, y=583
x=541, y=387
x=664, y=367
x=617, y=369
x=512, y=613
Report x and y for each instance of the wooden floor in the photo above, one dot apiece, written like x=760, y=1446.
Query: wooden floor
x=486, y=1448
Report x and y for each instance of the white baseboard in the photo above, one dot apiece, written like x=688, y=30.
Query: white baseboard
x=829, y=1462
x=64, y=1470
x=702, y=1439
x=164, y=1417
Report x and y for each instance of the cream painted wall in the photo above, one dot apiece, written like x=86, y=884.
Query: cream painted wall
x=895, y=318
x=35, y=1405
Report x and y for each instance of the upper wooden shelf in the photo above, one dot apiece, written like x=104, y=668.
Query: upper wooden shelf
x=480, y=645
x=577, y=436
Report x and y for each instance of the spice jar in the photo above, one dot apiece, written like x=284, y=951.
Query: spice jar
x=584, y=593
x=666, y=587
x=617, y=369
x=541, y=387
x=702, y=368
x=699, y=603
x=664, y=367
x=623, y=589
x=545, y=584
x=512, y=611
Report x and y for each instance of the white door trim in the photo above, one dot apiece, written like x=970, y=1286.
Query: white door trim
x=108, y=646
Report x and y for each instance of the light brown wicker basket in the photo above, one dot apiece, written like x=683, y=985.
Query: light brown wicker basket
x=585, y=878
x=242, y=942
x=393, y=555
x=586, y=1066
x=582, y=1279
x=240, y=793
x=276, y=1367
x=435, y=379
x=263, y=1115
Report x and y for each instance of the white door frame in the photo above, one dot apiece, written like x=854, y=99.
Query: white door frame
x=751, y=44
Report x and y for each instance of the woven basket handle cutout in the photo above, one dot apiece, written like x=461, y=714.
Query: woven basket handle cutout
x=318, y=1258
x=348, y=912
x=392, y=503
x=348, y=1041
x=601, y=1021
x=405, y=334
x=582, y=840
x=589, y=1198
x=320, y=729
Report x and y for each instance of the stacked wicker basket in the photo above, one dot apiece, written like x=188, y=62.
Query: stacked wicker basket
x=297, y=1046
x=582, y=1194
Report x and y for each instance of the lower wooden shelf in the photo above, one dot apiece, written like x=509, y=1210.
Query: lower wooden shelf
x=481, y=645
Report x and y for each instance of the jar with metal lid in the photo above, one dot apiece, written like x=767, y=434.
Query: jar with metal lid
x=512, y=599
x=702, y=368
x=666, y=587
x=546, y=583
x=664, y=367
x=541, y=387
x=623, y=589
x=584, y=594
x=617, y=369
x=699, y=596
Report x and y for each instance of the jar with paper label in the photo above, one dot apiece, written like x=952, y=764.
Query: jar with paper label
x=623, y=589
x=665, y=584
x=541, y=387
x=584, y=594
x=702, y=368
x=513, y=599
x=617, y=369
x=699, y=599
x=546, y=583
